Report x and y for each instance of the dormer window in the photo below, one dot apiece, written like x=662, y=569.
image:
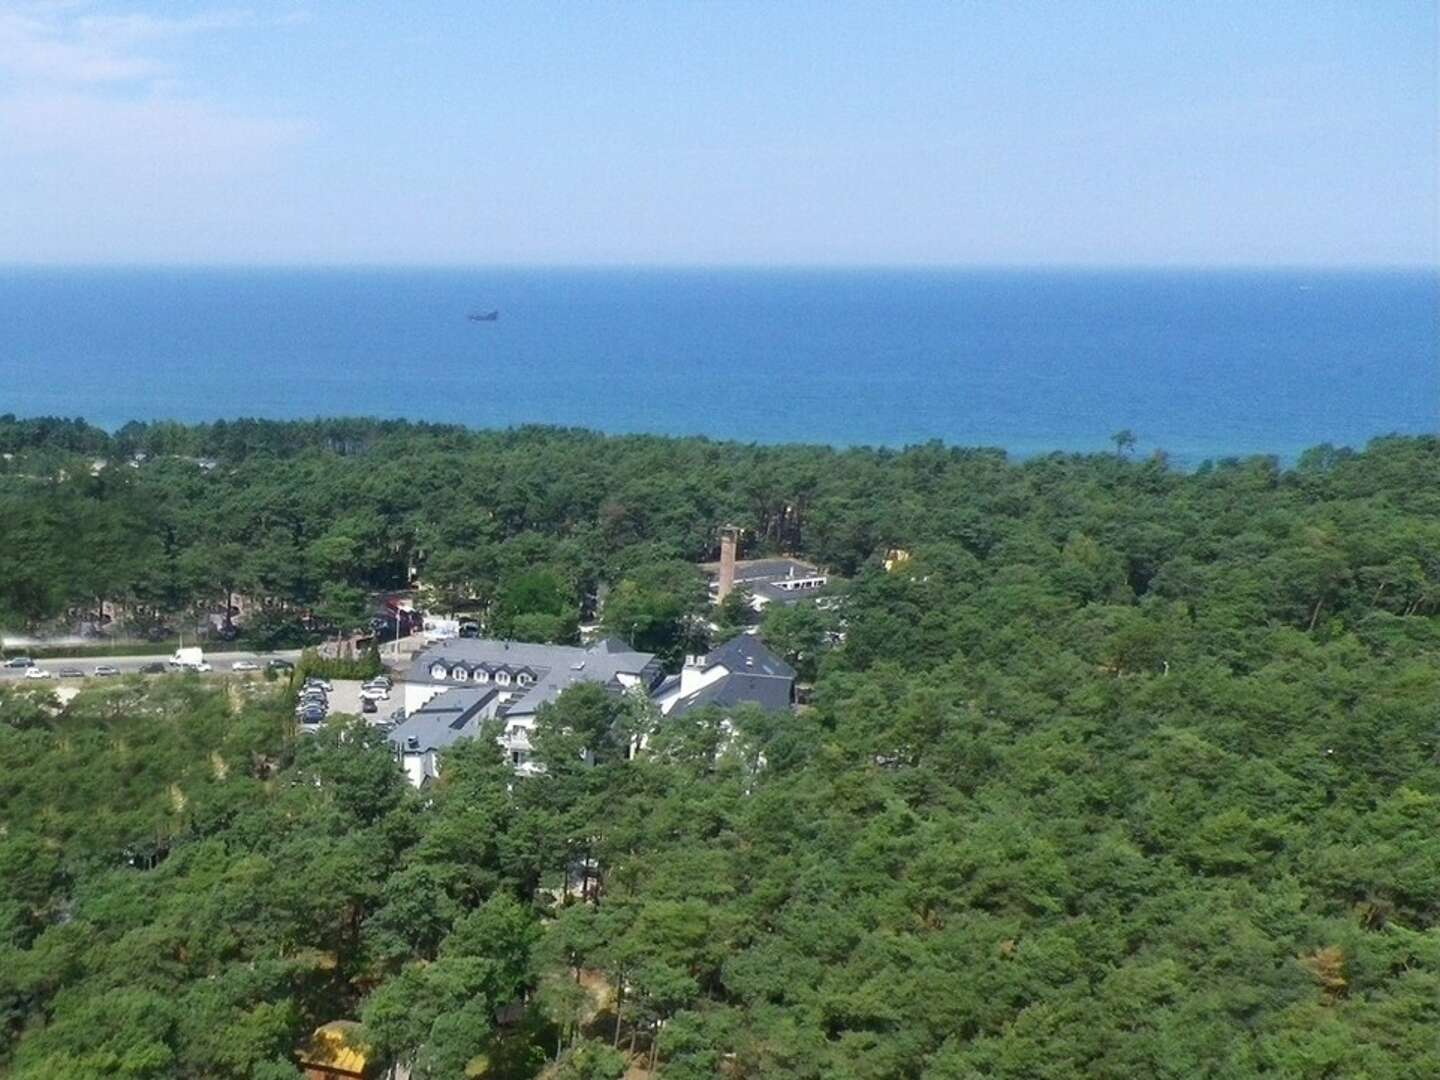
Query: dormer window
x=459, y=674
x=502, y=678
x=481, y=675
x=524, y=679
x=439, y=671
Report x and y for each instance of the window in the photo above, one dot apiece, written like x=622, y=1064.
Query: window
x=502, y=678
x=481, y=675
x=524, y=679
x=459, y=674
x=439, y=671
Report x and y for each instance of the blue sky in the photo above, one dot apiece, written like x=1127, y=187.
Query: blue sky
x=1098, y=132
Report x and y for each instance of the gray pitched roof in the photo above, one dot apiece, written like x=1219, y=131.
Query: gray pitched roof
x=754, y=675
x=772, y=592
x=772, y=570
x=446, y=718
x=750, y=571
x=770, y=693
x=554, y=667
x=610, y=644
x=746, y=653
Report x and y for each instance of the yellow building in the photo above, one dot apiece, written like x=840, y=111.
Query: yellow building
x=335, y=1052
x=895, y=557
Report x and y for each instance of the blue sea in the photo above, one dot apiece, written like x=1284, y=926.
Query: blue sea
x=1202, y=364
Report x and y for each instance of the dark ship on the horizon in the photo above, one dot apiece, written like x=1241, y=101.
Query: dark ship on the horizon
x=484, y=316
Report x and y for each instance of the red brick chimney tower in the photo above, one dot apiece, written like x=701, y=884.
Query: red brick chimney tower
x=729, y=539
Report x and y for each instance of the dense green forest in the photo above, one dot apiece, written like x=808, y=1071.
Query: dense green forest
x=1124, y=771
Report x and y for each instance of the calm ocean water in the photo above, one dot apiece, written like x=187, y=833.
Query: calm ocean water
x=1201, y=364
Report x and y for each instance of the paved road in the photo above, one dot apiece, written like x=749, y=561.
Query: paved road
x=127, y=664
x=396, y=656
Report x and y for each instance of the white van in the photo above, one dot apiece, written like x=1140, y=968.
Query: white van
x=190, y=658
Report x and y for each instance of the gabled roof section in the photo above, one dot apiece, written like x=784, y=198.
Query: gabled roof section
x=768, y=692
x=446, y=718
x=746, y=654
x=610, y=644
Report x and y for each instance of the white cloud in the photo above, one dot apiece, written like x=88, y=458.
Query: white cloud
x=99, y=110
x=139, y=27
x=67, y=42
x=73, y=43
x=48, y=49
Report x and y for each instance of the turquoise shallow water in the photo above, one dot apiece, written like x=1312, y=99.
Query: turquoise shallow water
x=1201, y=364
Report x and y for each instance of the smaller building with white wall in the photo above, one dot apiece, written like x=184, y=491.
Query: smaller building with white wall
x=441, y=722
x=742, y=671
x=768, y=581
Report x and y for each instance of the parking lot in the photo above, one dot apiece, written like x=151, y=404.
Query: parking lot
x=345, y=698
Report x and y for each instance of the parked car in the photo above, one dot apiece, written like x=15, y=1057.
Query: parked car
x=324, y=684
x=71, y=673
x=244, y=665
x=36, y=673
x=19, y=662
x=153, y=669
x=374, y=693
x=279, y=664
x=105, y=671
x=381, y=680
x=367, y=705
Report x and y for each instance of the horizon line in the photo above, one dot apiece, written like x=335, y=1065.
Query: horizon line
x=979, y=267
